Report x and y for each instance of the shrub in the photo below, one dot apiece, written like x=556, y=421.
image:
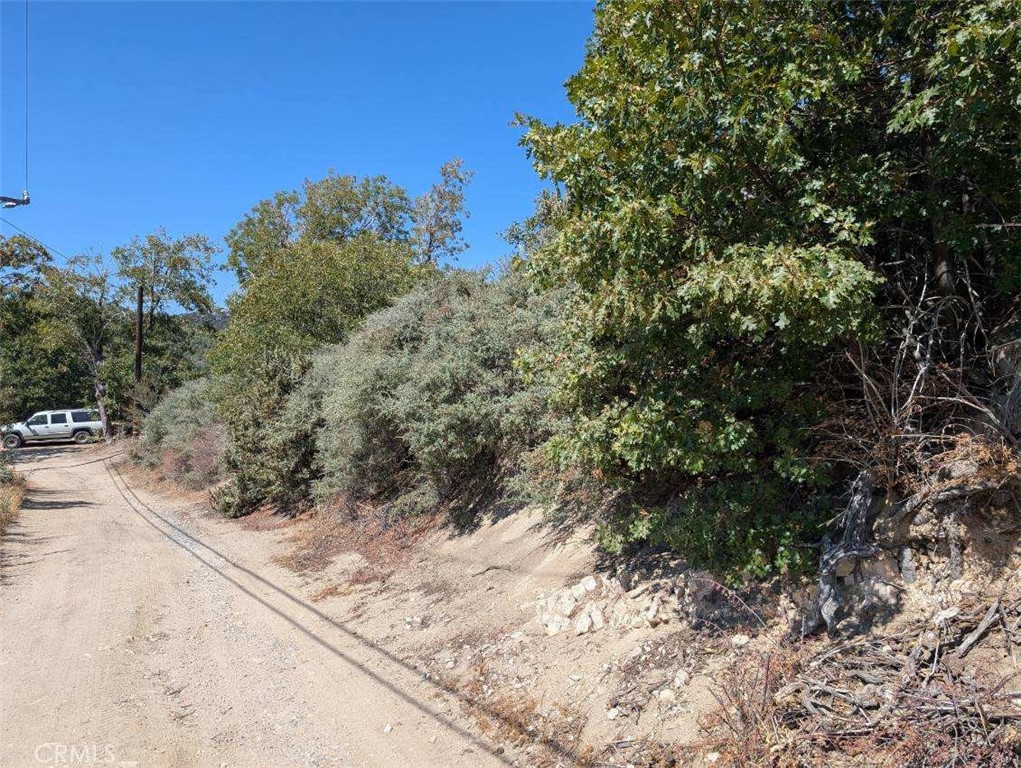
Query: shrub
x=182, y=437
x=424, y=407
x=7, y=473
x=12, y=487
x=753, y=194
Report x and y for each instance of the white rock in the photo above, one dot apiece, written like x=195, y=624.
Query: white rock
x=650, y=611
x=596, y=614
x=740, y=640
x=681, y=679
x=564, y=604
x=637, y=591
x=612, y=585
x=589, y=583
x=712, y=757
x=619, y=614
x=613, y=714
x=557, y=624
x=387, y=728
x=583, y=624
x=666, y=695
x=577, y=591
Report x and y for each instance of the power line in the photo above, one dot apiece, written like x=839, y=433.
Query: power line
x=26, y=95
x=34, y=239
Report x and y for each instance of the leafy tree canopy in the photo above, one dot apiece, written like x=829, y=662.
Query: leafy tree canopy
x=338, y=208
x=312, y=264
x=169, y=270
x=746, y=179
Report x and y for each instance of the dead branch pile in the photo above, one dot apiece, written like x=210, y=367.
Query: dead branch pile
x=943, y=692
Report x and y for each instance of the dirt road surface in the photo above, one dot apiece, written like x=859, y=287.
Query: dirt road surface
x=133, y=634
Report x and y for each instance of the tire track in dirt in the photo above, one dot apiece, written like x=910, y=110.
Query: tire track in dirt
x=121, y=626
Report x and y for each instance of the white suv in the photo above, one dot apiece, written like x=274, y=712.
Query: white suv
x=78, y=424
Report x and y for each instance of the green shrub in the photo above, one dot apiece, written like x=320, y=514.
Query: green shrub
x=754, y=194
x=424, y=407
x=182, y=437
x=312, y=265
x=7, y=474
x=737, y=531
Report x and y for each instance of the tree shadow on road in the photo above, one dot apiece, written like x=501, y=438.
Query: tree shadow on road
x=39, y=499
x=33, y=454
x=20, y=549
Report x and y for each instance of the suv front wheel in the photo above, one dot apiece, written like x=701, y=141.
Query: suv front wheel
x=82, y=436
x=12, y=441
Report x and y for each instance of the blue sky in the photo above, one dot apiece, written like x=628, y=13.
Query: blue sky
x=185, y=114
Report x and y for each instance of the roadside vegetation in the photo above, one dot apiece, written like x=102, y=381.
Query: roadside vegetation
x=779, y=257
x=12, y=489
x=183, y=440
x=68, y=324
x=763, y=326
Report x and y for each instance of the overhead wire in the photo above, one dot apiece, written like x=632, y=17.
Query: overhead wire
x=26, y=95
x=34, y=239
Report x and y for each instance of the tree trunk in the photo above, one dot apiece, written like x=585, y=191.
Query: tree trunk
x=96, y=360
x=136, y=426
x=100, y=395
x=943, y=270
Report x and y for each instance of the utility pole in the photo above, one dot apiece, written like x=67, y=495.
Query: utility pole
x=137, y=426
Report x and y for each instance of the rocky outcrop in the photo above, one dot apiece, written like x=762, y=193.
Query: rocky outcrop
x=594, y=604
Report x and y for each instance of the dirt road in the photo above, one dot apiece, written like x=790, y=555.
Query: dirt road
x=134, y=634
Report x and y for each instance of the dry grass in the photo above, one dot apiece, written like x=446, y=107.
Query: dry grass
x=331, y=590
x=152, y=480
x=366, y=574
x=326, y=534
x=551, y=733
x=12, y=491
x=266, y=519
x=939, y=693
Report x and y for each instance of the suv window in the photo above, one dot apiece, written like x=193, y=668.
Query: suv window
x=38, y=420
x=80, y=416
x=58, y=418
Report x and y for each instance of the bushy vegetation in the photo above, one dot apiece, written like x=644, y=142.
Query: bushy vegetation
x=312, y=264
x=67, y=332
x=780, y=250
x=182, y=439
x=424, y=407
x=755, y=194
x=12, y=488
